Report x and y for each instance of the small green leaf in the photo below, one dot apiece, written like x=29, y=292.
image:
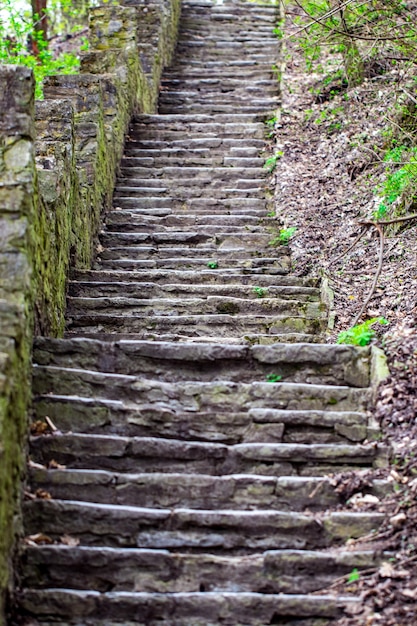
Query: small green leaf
x=273, y=378
x=354, y=576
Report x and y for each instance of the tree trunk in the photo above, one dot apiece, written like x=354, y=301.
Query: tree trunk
x=40, y=23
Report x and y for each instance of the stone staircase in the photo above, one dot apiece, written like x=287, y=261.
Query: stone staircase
x=187, y=424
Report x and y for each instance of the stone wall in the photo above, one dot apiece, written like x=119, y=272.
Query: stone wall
x=58, y=163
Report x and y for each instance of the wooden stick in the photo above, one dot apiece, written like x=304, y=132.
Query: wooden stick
x=377, y=273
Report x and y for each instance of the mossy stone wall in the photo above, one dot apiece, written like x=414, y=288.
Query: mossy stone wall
x=58, y=163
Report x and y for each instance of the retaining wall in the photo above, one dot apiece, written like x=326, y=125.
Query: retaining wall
x=58, y=163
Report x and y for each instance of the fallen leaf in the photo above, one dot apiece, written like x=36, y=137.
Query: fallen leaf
x=38, y=428
x=409, y=593
x=398, y=520
x=55, y=465
x=67, y=540
x=387, y=570
x=41, y=494
x=38, y=539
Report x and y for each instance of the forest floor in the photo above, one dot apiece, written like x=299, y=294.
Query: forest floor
x=330, y=174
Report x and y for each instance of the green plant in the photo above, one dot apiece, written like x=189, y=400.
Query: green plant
x=213, y=265
x=23, y=42
x=361, y=334
x=285, y=234
x=400, y=185
x=273, y=378
x=272, y=161
x=260, y=292
x=353, y=577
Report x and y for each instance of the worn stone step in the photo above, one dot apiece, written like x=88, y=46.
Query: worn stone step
x=194, y=252
x=264, y=98
x=194, y=396
x=129, y=213
x=217, y=325
x=206, y=276
x=226, y=237
x=183, y=219
x=195, y=491
x=195, y=143
x=217, y=108
x=218, y=85
x=69, y=606
x=249, y=339
x=131, y=306
x=143, y=122
x=209, y=57
x=150, y=289
x=183, y=210
x=187, y=185
x=129, y=569
x=277, y=265
x=248, y=72
x=218, y=204
x=224, y=252
x=316, y=427
x=156, y=455
x=194, y=529
x=207, y=160
x=225, y=174
x=154, y=289
x=174, y=152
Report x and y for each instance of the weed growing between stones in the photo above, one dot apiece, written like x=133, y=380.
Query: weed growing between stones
x=284, y=236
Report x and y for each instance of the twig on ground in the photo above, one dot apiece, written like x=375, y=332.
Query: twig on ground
x=377, y=273
x=404, y=218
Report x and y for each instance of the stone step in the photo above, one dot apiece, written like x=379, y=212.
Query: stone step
x=203, y=254
x=228, y=175
x=215, y=187
x=155, y=232
x=129, y=209
x=170, y=361
x=217, y=108
x=209, y=57
x=194, y=529
x=178, y=151
x=250, y=48
x=247, y=72
x=68, y=606
x=195, y=143
x=264, y=95
x=141, y=122
x=250, y=339
x=207, y=160
x=242, y=209
x=256, y=425
x=205, y=276
x=210, y=325
x=218, y=397
x=194, y=491
x=167, y=218
x=232, y=98
x=154, y=290
x=150, y=455
x=129, y=569
x=120, y=305
x=218, y=203
x=273, y=425
x=271, y=265
x=218, y=85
